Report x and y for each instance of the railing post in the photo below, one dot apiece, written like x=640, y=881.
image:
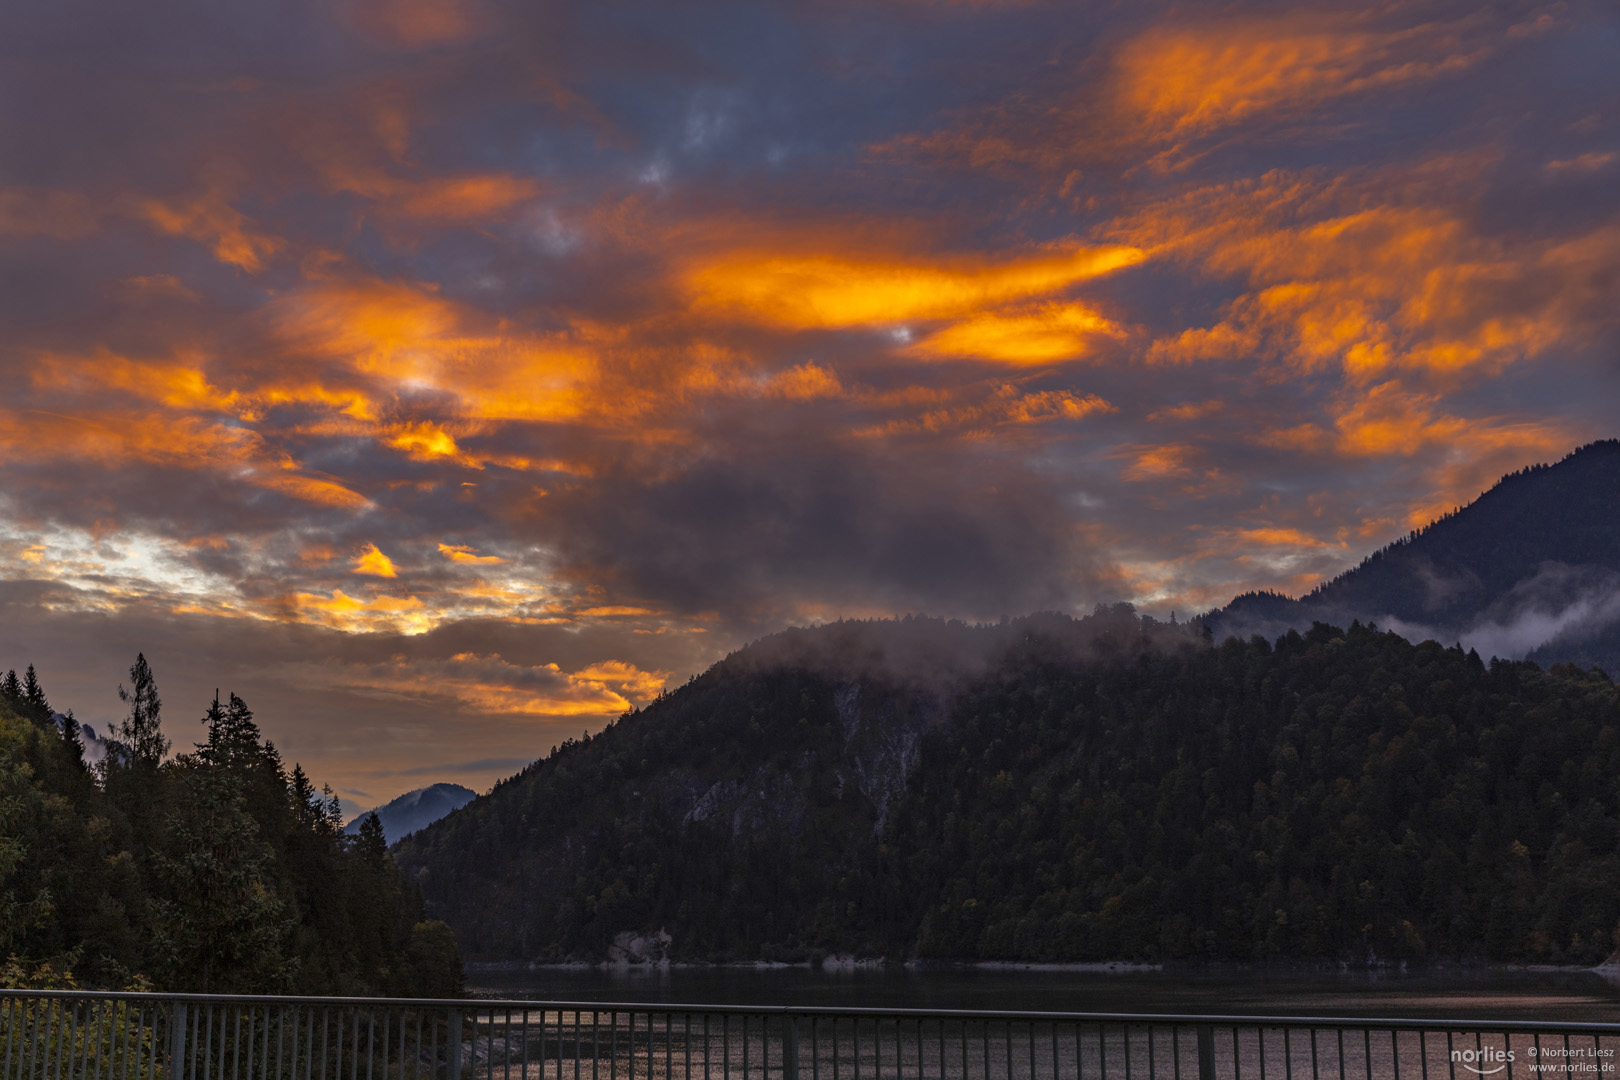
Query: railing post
x=1206, y=1052
x=790, y=1049
x=452, y=1023
x=177, y=1041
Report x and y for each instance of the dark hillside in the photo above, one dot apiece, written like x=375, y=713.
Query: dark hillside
x=1064, y=789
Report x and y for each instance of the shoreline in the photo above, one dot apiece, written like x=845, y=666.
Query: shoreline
x=848, y=964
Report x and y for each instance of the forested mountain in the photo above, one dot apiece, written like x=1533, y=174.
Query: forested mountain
x=1058, y=789
x=414, y=810
x=214, y=870
x=1529, y=569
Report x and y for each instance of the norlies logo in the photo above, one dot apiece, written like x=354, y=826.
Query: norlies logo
x=1484, y=1061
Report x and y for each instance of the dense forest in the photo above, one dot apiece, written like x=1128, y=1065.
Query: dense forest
x=1542, y=545
x=1059, y=789
x=212, y=870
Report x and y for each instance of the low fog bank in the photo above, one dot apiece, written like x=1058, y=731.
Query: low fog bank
x=926, y=652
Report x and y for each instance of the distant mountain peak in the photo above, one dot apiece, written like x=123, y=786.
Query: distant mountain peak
x=415, y=809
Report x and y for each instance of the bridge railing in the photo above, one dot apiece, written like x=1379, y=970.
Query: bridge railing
x=85, y=1035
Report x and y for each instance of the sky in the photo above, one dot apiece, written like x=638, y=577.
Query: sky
x=447, y=377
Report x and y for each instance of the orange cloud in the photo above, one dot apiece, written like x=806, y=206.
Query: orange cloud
x=1180, y=79
x=438, y=200
x=804, y=382
x=210, y=219
x=423, y=440
x=1167, y=462
x=119, y=438
x=1006, y=407
x=1283, y=537
x=461, y=553
x=1391, y=420
x=813, y=290
x=373, y=562
x=178, y=385
x=410, y=339
x=1044, y=335
x=1378, y=288
x=340, y=611
x=491, y=684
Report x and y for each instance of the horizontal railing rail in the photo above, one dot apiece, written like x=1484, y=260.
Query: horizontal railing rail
x=91, y=1035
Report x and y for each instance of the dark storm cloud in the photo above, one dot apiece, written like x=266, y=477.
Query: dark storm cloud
x=770, y=523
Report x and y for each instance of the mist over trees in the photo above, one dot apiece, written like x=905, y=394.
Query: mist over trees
x=215, y=870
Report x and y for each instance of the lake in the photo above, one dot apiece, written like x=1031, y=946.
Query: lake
x=1463, y=993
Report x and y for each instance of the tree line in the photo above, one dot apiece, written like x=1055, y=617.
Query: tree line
x=213, y=870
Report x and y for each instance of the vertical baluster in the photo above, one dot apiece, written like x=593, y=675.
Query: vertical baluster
x=281, y=1035
x=75, y=1038
x=152, y=1049
x=28, y=1053
x=15, y=1031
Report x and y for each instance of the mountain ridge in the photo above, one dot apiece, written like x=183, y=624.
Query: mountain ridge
x=1531, y=568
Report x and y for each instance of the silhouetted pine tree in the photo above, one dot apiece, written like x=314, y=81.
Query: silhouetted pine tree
x=34, y=696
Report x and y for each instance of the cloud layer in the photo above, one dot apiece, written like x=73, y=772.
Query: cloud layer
x=454, y=374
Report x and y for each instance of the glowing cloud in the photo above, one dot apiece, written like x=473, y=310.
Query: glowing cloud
x=830, y=290
x=461, y=553
x=374, y=563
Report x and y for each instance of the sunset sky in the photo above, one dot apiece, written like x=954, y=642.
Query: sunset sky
x=446, y=377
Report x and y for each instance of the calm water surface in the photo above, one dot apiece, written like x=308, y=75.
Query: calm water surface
x=1461, y=993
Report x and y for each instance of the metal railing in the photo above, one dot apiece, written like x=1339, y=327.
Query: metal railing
x=85, y=1035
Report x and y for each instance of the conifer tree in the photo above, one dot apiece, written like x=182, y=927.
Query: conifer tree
x=131, y=773
x=33, y=696
x=71, y=737
x=11, y=688
x=140, y=734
